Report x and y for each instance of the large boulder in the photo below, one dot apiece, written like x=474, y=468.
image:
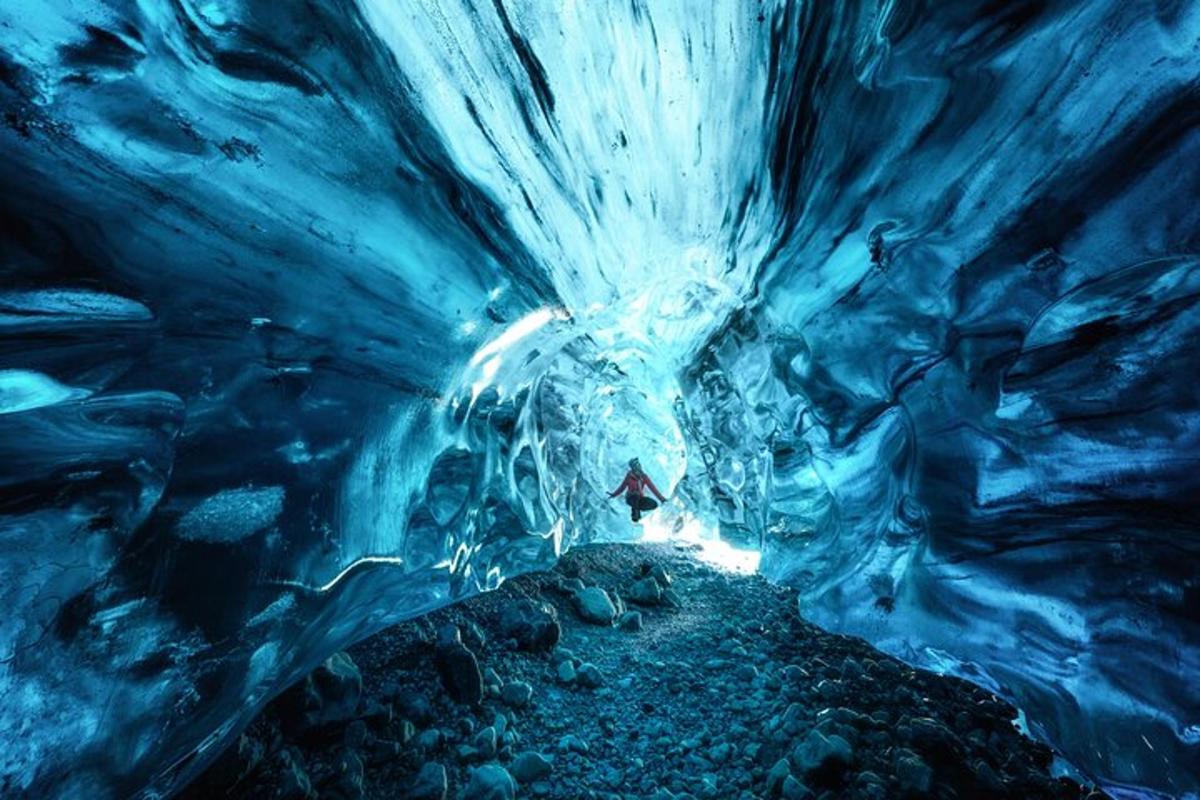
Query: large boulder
x=595, y=606
x=630, y=621
x=485, y=743
x=657, y=572
x=533, y=626
x=459, y=670
x=778, y=774
x=338, y=684
x=430, y=783
x=530, y=766
x=793, y=789
x=645, y=592
x=820, y=754
x=589, y=675
x=489, y=782
x=516, y=694
x=330, y=693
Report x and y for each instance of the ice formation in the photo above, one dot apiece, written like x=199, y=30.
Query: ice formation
x=318, y=316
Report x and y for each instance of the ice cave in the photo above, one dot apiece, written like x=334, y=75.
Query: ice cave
x=320, y=317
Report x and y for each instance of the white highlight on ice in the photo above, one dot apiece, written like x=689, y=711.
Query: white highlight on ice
x=514, y=333
x=687, y=528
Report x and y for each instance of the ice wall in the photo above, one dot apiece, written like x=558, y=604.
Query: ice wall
x=980, y=328
x=320, y=315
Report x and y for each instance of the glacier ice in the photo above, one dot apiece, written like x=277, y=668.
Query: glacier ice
x=318, y=316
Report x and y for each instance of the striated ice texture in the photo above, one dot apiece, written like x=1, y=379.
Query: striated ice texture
x=320, y=315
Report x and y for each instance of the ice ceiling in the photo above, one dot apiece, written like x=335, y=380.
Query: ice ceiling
x=319, y=315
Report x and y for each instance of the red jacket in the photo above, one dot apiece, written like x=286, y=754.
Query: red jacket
x=636, y=484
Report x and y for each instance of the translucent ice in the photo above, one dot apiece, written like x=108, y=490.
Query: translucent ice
x=322, y=315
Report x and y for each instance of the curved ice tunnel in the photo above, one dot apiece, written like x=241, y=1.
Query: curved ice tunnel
x=321, y=318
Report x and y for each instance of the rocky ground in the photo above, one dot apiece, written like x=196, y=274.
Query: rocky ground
x=629, y=672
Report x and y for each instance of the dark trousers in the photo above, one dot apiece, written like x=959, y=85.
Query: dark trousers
x=637, y=504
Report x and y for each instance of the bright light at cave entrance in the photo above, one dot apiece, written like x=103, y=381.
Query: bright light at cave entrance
x=687, y=528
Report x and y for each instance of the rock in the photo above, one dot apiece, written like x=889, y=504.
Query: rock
x=795, y=674
x=932, y=737
x=594, y=605
x=630, y=621
x=645, y=592
x=533, y=626
x=489, y=782
x=614, y=777
x=684, y=711
x=516, y=694
x=657, y=572
x=791, y=718
x=830, y=691
x=428, y=740
x=746, y=672
x=485, y=743
x=817, y=752
x=913, y=774
x=459, y=671
x=430, y=783
x=671, y=598
x=573, y=744
x=720, y=753
x=589, y=675
x=793, y=789
x=778, y=774
x=831, y=725
x=330, y=693
x=870, y=786
x=571, y=585
x=448, y=635
x=530, y=766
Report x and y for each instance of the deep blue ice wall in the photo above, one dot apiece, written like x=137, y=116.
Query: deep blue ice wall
x=305, y=309
x=316, y=316
x=974, y=354
x=236, y=248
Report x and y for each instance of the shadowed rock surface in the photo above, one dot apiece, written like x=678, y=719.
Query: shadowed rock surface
x=724, y=692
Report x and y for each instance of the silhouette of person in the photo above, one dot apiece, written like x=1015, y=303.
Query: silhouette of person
x=635, y=483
